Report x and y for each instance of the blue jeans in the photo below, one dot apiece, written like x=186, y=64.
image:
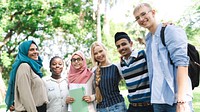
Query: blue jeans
x=119, y=107
x=148, y=108
x=168, y=108
x=164, y=108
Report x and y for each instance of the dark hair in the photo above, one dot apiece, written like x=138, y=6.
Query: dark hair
x=120, y=35
x=53, y=59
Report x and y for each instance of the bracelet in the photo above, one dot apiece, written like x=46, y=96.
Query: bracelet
x=181, y=102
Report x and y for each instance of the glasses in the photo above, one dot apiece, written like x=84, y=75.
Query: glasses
x=141, y=15
x=76, y=59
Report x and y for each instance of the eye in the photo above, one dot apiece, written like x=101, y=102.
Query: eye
x=123, y=44
x=53, y=64
x=118, y=46
x=137, y=18
x=143, y=13
x=101, y=51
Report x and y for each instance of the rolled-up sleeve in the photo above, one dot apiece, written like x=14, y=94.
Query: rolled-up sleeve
x=176, y=42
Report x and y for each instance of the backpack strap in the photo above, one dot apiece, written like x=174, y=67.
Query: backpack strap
x=162, y=36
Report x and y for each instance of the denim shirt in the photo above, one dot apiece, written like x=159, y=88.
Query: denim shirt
x=163, y=76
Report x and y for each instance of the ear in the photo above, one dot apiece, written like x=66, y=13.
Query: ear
x=131, y=43
x=153, y=12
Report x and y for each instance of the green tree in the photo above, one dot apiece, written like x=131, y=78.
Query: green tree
x=191, y=22
x=42, y=21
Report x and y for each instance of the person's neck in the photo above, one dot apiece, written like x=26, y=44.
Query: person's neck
x=153, y=28
x=56, y=76
x=105, y=63
x=128, y=55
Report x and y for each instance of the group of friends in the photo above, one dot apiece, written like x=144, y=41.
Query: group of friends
x=153, y=83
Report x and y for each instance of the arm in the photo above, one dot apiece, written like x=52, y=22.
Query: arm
x=177, y=44
x=91, y=90
x=24, y=87
x=182, y=79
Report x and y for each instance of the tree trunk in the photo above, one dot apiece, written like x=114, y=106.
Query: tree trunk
x=106, y=26
x=99, y=39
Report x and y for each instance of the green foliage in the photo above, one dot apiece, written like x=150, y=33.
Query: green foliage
x=5, y=59
x=43, y=21
x=190, y=21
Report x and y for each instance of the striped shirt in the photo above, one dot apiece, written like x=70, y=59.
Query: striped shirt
x=110, y=79
x=136, y=77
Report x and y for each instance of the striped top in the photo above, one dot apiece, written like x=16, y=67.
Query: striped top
x=110, y=79
x=136, y=77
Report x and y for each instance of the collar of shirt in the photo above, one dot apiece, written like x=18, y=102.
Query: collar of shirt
x=133, y=55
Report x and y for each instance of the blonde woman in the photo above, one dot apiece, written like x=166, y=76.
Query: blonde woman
x=107, y=78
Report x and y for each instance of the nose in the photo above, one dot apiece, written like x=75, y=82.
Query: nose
x=36, y=51
x=57, y=66
x=141, y=18
x=98, y=54
x=120, y=47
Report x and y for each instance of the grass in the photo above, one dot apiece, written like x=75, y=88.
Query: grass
x=196, y=98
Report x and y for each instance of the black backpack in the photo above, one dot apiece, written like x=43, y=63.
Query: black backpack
x=194, y=66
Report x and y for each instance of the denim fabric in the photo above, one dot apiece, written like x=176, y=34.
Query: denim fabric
x=119, y=107
x=168, y=108
x=164, y=108
x=162, y=75
x=140, y=109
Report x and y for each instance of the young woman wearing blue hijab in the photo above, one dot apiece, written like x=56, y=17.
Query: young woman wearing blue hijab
x=26, y=89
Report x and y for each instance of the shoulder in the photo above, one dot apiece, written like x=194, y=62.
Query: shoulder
x=119, y=68
x=114, y=65
x=173, y=29
x=46, y=78
x=24, y=65
x=141, y=52
x=93, y=69
x=23, y=68
x=117, y=65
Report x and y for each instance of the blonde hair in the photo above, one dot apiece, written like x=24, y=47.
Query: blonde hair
x=140, y=6
x=98, y=70
x=95, y=44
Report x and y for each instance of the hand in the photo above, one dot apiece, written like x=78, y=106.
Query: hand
x=183, y=107
x=12, y=108
x=87, y=99
x=167, y=23
x=69, y=100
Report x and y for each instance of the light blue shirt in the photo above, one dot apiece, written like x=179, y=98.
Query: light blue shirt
x=162, y=73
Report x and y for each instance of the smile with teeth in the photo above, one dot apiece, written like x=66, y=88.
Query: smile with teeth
x=57, y=69
x=123, y=51
x=100, y=58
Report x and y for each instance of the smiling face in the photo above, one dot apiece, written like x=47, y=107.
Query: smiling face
x=124, y=47
x=99, y=54
x=144, y=15
x=56, y=66
x=77, y=62
x=33, y=52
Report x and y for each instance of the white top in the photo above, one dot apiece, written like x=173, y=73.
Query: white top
x=89, y=91
x=57, y=91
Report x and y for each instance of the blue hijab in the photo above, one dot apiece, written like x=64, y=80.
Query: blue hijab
x=22, y=57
